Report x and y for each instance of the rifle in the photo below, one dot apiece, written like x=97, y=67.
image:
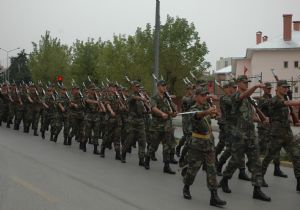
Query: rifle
x=286, y=97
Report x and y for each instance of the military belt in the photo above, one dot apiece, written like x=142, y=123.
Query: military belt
x=200, y=135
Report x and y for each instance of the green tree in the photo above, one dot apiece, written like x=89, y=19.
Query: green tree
x=49, y=59
x=18, y=70
x=181, y=51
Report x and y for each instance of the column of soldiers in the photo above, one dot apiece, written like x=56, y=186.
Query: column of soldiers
x=122, y=118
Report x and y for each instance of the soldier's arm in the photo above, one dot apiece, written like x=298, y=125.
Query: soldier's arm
x=110, y=110
x=249, y=92
x=292, y=103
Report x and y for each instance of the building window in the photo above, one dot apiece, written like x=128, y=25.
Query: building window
x=226, y=63
x=296, y=64
x=286, y=64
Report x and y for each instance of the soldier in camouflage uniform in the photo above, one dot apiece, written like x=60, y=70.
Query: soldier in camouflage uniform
x=244, y=138
x=201, y=148
x=281, y=132
x=76, y=116
x=264, y=130
x=64, y=101
x=52, y=115
x=226, y=126
x=91, y=120
x=32, y=114
x=16, y=108
x=161, y=126
x=187, y=102
x=136, y=121
x=113, y=122
x=4, y=105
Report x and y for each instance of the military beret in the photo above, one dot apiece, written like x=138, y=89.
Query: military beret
x=282, y=83
x=201, y=91
x=243, y=78
x=161, y=82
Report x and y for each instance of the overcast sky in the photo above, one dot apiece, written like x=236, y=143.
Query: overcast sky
x=227, y=26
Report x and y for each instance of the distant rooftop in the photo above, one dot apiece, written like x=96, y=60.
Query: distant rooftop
x=277, y=43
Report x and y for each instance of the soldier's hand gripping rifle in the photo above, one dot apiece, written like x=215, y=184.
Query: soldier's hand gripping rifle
x=145, y=101
x=120, y=102
x=101, y=106
x=287, y=98
x=168, y=97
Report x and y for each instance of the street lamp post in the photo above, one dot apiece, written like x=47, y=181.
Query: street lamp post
x=7, y=52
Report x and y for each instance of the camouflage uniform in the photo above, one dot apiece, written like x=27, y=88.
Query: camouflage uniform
x=243, y=141
x=65, y=102
x=113, y=126
x=32, y=114
x=4, y=107
x=16, y=110
x=281, y=136
x=201, y=149
x=136, y=127
x=76, y=118
x=91, y=123
x=187, y=103
x=51, y=117
x=161, y=129
x=225, y=136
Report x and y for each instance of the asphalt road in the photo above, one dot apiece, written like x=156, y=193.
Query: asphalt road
x=37, y=174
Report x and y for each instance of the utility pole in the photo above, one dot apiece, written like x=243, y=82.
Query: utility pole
x=156, y=44
x=7, y=71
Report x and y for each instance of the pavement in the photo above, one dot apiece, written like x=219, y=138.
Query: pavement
x=37, y=174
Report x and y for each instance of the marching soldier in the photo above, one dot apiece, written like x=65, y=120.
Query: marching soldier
x=161, y=126
x=244, y=138
x=4, y=107
x=281, y=133
x=113, y=120
x=187, y=102
x=52, y=115
x=226, y=127
x=91, y=119
x=76, y=114
x=264, y=130
x=137, y=107
x=64, y=101
x=201, y=149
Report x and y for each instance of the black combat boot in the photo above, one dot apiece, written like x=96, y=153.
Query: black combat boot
x=8, y=125
x=35, y=133
x=278, y=172
x=83, y=146
x=102, y=152
x=264, y=183
x=16, y=127
x=298, y=184
x=90, y=141
x=65, y=141
x=55, y=138
x=51, y=137
x=168, y=169
x=123, y=157
x=215, y=200
x=186, y=192
x=141, y=162
x=96, y=152
x=152, y=156
x=172, y=159
x=43, y=134
x=258, y=194
x=177, y=150
x=147, y=162
x=69, y=140
x=224, y=185
x=204, y=166
x=118, y=155
x=243, y=175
